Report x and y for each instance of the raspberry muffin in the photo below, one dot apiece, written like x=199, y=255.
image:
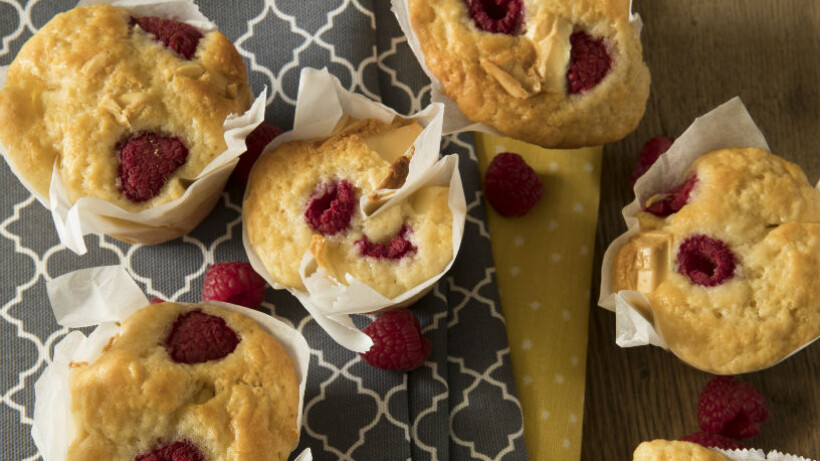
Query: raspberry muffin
x=729, y=260
x=665, y=450
x=186, y=382
x=305, y=196
x=549, y=72
x=128, y=109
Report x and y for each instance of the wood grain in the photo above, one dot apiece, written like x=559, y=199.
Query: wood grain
x=701, y=54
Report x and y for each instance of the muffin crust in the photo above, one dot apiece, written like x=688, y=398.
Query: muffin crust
x=515, y=83
x=88, y=79
x=665, y=450
x=283, y=181
x=768, y=214
x=135, y=397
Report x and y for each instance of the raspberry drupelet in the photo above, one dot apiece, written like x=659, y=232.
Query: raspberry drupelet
x=731, y=408
x=674, y=200
x=331, y=207
x=147, y=160
x=397, y=342
x=198, y=337
x=234, y=282
x=706, y=261
x=589, y=62
x=396, y=248
x=649, y=154
x=176, y=451
x=511, y=186
x=256, y=141
x=497, y=16
x=178, y=36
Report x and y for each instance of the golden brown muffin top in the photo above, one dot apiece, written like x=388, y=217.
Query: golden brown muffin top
x=665, y=450
x=136, y=397
x=516, y=82
x=767, y=215
x=364, y=154
x=89, y=79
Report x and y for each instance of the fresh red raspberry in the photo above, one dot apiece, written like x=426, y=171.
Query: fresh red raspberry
x=673, y=200
x=497, y=16
x=331, y=207
x=156, y=301
x=710, y=440
x=198, y=337
x=398, y=247
x=146, y=161
x=397, y=342
x=732, y=408
x=589, y=62
x=511, y=186
x=256, y=141
x=234, y=282
x=706, y=261
x=176, y=451
x=178, y=36
x=649, y=154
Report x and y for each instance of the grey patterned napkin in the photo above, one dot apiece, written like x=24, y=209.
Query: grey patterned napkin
x=462, y=404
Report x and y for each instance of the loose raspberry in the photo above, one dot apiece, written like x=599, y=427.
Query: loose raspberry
x=709, y=440
x=732, y=408
x=397, y=342
x=511, y=186
x=234, y=282
x=176, y=451
x=706, y=261
x=256, y=141
x=649, y=154
x=589, y=62
x=198, y=337
x=146, y=161
x=156, y=301
x=331, y=207
x=398, y=247
x=497, y=16
x=673, y=200
x=178, y=36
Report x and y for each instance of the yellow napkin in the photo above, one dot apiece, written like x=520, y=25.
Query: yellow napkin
x=544, y=268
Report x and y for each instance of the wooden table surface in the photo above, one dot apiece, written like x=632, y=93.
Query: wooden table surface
x=701, y=54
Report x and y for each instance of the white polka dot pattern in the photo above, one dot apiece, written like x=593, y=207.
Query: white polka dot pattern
x=544, y=269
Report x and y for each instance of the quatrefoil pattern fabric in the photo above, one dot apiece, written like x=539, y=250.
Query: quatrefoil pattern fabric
x=462, y=404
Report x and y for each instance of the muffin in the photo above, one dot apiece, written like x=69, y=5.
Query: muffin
x=549, y=72
x=327, y=197
x=198, y=381
x=728, y=260
x=665, y=450
x=128, y=109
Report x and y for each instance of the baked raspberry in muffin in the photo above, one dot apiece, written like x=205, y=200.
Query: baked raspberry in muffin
x=665, y=450
x=549, y=72
x=305, y=195
x=728, y=259
x=128, y=109
x=186, y=382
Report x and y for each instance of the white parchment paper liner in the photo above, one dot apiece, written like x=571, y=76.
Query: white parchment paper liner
x=170, y=220
x=454, y=120
x=751, y=454
x=727, y=126
x=102, y=296
x=321, y=103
